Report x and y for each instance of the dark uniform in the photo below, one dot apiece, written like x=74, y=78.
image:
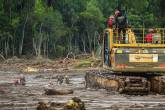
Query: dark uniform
x=121, y=24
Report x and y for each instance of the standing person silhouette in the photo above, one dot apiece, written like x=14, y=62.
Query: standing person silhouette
x=121, y=24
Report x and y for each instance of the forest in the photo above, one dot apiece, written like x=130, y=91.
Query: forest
x=53, y=28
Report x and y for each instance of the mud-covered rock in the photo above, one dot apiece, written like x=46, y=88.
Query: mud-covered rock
x=53, y=104
x=75, y=104
x=58, y=92
x=42, y=106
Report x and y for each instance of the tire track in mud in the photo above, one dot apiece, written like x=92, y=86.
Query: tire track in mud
x=27, y=97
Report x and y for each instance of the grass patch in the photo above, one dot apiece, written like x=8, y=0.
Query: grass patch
x=89, y=62
x=83, y=64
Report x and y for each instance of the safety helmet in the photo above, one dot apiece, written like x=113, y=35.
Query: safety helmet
x=151, y=30
x=117, y=12
x=111, y=17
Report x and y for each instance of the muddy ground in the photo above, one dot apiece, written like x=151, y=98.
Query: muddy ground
x=26, y=97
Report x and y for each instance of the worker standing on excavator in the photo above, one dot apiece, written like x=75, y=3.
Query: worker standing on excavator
x=121, y=24
x=111, y=21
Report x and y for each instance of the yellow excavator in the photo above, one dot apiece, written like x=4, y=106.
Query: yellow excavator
x=133, y=66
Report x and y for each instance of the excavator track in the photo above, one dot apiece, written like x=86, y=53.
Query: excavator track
x=127, y=84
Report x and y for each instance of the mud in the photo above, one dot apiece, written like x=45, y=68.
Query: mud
x=27, y=97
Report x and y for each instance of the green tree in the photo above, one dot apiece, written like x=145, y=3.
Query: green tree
x=92, y=19
x=48, y=29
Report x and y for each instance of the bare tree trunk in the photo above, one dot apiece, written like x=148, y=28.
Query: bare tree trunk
x=70, y=43
x=89, y=41
x=14, y=41
x=40, y=41
x=13, y=47
x=84, y=43
x=2, y=47
x=47, y=48
x=44, y=48
x=6, y=53
x=37, y=42
x=34, y=46
x=6, y=46
x=23, y=35
x=96, y=39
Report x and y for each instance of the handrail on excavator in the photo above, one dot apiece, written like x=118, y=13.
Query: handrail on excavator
x=136, y=37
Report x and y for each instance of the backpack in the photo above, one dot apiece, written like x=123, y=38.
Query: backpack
x=121, y=20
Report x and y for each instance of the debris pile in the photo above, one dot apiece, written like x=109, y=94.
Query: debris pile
x=73, y=104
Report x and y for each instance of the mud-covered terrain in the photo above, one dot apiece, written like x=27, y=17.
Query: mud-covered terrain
x=26, y=97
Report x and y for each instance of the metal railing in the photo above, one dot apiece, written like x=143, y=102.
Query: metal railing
x=139, y=36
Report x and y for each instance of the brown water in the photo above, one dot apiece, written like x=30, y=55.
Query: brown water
x=27, y=97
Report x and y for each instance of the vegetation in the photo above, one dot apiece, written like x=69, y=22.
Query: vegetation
x=53, y=28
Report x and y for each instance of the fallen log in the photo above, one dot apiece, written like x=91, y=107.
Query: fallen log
x=58, y=92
